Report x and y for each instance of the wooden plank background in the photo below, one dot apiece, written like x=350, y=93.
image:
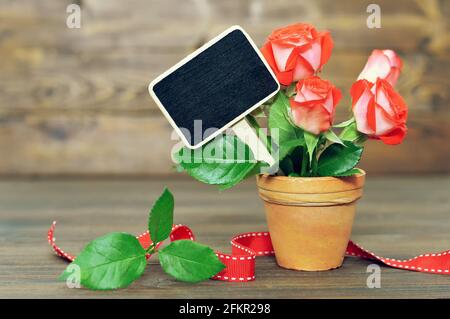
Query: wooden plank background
x=75, y=101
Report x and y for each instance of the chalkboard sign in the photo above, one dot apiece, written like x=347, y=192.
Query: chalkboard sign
x=218, y=84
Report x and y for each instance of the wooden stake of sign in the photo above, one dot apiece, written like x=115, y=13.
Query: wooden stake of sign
x=247, y=135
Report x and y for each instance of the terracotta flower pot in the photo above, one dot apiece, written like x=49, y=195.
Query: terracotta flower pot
x=310, y=218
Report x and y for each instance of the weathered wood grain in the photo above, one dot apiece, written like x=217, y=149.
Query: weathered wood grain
x=100, y=73
x=397, y=218
x=118, y=82
x=84, y=144
x=425, y=150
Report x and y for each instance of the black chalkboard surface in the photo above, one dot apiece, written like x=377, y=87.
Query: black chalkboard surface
x=218, y=84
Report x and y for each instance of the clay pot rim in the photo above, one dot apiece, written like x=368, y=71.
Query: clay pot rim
x=310, y=185
x=317, y=178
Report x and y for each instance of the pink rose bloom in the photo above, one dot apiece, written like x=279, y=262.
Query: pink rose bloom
x=383, y=64
x=313, y=107
x=379, y=111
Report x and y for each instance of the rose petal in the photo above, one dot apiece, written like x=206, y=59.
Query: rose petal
x=310, y=95
x=395, y=137
x=394, y=59
x=377, y=65
x=281, y=54
x=361, y=97
x=393, y=76
x=302, y=69
x=327, y=47
x=267, y=52
x=383, y=123
x=383, y=100
x=299, y=97
x=313, y=55
x=314, y=119
x=328, y=104
x=285, y=78
x=397, y=106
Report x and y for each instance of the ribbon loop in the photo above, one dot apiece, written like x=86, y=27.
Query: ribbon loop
x=240, y=264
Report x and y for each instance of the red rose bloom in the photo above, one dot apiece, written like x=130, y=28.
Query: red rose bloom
x=297, y=51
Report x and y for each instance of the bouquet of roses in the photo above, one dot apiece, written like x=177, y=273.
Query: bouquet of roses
x=303, y=111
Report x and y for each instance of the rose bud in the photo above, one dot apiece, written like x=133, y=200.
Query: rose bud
x=313, y=107
x=297, y=51
x=384, y=64
x=380, y=112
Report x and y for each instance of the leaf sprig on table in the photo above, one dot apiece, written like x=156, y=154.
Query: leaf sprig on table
x=117, y=259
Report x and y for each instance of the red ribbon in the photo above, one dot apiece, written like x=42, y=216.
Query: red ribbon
x=240, y=264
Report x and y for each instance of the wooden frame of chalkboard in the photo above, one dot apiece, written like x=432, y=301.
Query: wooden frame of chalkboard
x=189, y=58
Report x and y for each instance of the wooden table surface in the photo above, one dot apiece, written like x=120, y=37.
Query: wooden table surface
x=397, y=217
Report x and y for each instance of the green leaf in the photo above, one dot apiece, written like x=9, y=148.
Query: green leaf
x=311, y=143
x=345, y=123
x=223, y=161
x=279, y=120
x=109, y=262
x=189, y=261
x=160, y=219
x=350, y=172
x=287, y=166
x=297, y=158
x=289, y=146
x=293, y=175
x=332, y=137
x=337, y=159
x=350, y=133
x=257, y=128
x=255, y=171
